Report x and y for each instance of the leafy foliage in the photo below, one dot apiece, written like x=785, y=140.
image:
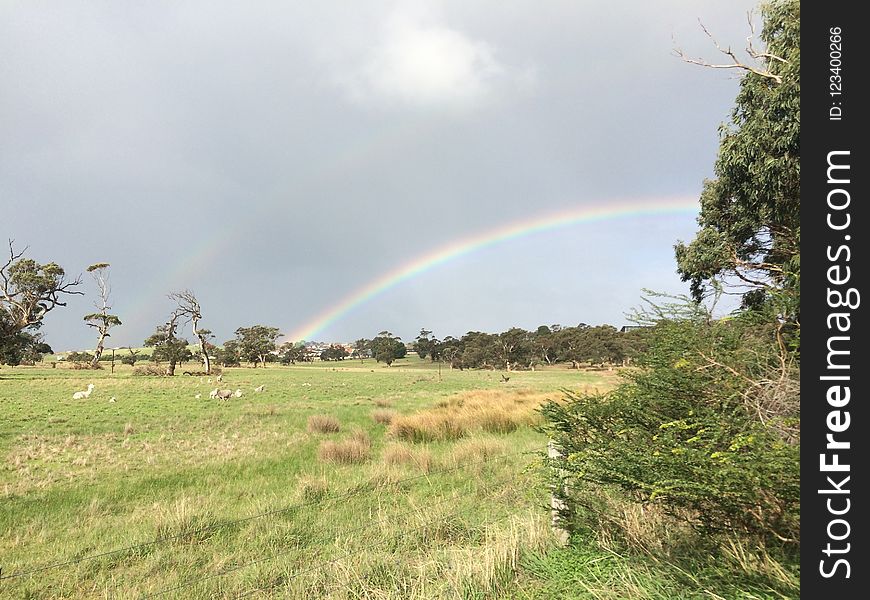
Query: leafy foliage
x=79, y=357
x=255, y=343
x=22, y=347
x=750, y=213
x=167, y=347
x=290, y=353
x=28, y=291
x=387, y=348
x=687, y=433
x=707, y=428
x=334, y=352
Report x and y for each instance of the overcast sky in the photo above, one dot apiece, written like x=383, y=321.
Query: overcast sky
x=274, y=157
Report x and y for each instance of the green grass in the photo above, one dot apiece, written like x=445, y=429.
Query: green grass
x=81, y=477
x=587, y=572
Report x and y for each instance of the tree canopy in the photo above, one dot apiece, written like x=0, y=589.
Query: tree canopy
x=28, y=291
x=257, y=342
x=749, y=236
x=388, y=348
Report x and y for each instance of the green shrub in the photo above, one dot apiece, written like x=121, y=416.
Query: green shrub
x=706, y=428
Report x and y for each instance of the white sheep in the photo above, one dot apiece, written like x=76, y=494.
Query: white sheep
x=112, y=399
x=198, y=396
x=220, y=377
x=224, y=394
x=83, y=395
x=213, y=394
x=237, y=393
x=260, y=388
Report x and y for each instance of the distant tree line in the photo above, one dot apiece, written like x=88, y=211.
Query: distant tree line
x=30, y=290
x=517, y=348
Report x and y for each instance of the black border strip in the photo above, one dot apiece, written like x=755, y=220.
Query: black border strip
x=833, y=121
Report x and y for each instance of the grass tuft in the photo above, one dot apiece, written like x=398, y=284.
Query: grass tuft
x=346, y=452
x=428, y=427
x=383, y=416
x=401, y=454
x=312, y=489
x=323, y=424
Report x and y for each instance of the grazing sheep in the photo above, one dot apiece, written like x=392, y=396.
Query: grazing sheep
x=260, y=388
x=213, y=394
x=220, y=377
x=224, y=394
x=237, y=393
x=209, y=379
x=112, y=399
x=83, y=395
x=198, y=396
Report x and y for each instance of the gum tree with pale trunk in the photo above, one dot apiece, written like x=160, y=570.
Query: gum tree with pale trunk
x=101, y=320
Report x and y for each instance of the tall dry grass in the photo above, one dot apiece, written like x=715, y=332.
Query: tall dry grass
x=323, y=424
x=404, y=455
x=491, y=411
x=383, y=416
x=353, y=450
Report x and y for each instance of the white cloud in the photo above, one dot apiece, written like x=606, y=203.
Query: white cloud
x=428, y=65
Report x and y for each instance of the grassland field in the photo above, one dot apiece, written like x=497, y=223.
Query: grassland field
x=428, y=489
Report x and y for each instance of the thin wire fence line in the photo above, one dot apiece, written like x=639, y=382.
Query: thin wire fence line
x=370, y=523
x=358, y=551
x=360, y=490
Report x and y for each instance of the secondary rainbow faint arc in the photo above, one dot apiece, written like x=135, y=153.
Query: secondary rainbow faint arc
x=457, y=248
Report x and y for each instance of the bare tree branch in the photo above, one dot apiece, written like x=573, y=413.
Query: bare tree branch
x=735, y=63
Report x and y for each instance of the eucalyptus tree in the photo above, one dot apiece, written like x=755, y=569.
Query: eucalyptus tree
x=102, y=320
x=189, y=309
x=28, y=291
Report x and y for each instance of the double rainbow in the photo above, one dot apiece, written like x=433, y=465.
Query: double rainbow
x=457, y=248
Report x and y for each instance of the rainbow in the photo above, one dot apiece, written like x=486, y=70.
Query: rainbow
x=504, y=233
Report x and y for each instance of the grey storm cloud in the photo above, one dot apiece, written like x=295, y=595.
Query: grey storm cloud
x=276, y=156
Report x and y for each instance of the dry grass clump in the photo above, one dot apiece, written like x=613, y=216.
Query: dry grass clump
x=361, y=436
x=492, y=411
x=323, y=424
x=383, y=416
x=312, y=488
x=490, y=567
x=429, y=426
x=381, y=403
x=401, y=454
x=478, y=449
x=128, y=429
x=497, y=420
x=346, y=452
